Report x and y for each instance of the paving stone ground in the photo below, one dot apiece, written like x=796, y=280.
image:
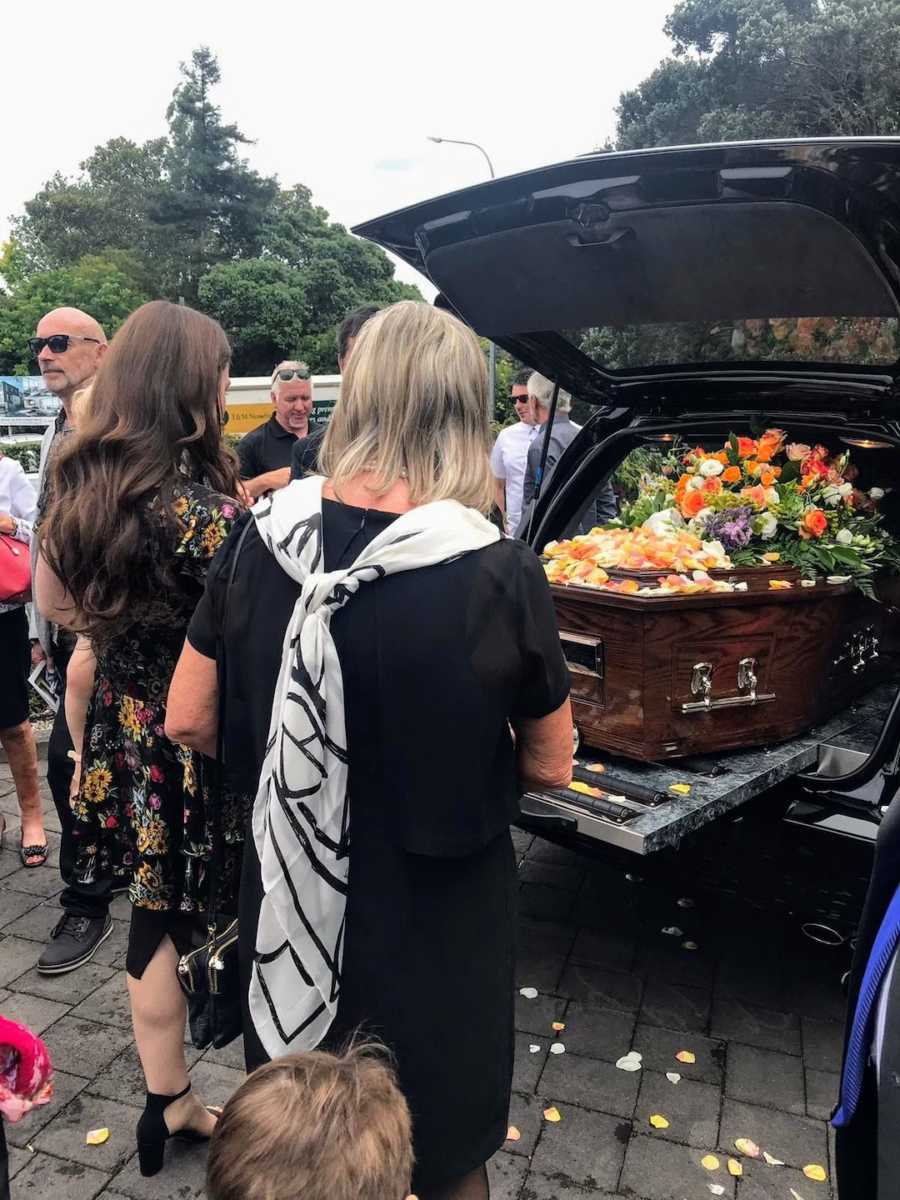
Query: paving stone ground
x=757, y=1005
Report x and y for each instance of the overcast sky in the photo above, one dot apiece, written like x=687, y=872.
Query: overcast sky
x=338, y=96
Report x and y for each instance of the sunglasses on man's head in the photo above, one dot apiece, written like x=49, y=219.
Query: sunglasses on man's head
x=299, y=372
x=58, y=342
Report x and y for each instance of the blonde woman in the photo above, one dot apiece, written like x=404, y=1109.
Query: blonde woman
x=380, y=638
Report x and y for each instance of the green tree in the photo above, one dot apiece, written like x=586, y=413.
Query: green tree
x=108, y=287
x=184, y=217
x=261, y=304
x=105, y=207
x=212, y=205
x=769, y=68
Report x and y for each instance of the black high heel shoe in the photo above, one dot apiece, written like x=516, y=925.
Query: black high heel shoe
x=153, y=1132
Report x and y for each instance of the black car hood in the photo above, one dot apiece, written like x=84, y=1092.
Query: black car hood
x=696, y=237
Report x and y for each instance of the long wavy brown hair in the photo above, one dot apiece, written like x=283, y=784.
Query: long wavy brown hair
x=153, y=422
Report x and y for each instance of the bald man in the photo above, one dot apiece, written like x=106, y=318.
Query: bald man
x=69, y=346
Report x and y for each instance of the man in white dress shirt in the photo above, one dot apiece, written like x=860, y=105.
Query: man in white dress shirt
x=510, y=454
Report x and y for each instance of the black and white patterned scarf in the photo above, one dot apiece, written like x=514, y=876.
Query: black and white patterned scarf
x=301, y=818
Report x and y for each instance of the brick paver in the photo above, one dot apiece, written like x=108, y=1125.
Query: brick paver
x=758, y=1007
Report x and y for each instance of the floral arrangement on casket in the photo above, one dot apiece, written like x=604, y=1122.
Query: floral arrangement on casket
x=768, y=501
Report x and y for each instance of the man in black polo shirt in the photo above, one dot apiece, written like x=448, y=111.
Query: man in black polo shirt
x=265, y=452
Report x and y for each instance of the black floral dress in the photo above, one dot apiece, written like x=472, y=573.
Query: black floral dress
x=141, y=815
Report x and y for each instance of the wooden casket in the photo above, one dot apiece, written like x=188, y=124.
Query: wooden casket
x=656, y=677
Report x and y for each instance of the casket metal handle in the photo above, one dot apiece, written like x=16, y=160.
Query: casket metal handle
x=747, y=682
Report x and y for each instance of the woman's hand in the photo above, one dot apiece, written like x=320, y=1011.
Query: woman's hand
x=7, y=523
x=75, y=785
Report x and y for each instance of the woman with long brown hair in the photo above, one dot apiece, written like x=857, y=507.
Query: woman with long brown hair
x=141, y=498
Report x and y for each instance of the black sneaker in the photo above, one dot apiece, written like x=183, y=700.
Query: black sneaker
x=73, y=942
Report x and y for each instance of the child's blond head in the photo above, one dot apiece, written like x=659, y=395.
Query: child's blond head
x=314, y=1127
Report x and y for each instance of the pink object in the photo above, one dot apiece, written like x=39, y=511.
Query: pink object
x=26, y=1076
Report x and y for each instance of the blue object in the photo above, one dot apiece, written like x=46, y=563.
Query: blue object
x=860, y=1041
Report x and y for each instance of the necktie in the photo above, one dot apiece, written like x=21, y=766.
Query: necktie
x=860, y=1039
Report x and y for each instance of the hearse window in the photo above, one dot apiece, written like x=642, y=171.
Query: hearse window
x=862, y=341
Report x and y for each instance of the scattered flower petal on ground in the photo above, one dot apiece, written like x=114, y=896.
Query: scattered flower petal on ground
x=772, y=1160
x=533, y=1048
x=528, y=992
x=796, y=1195
x=689, y=946
x=710, y=1162
x=512, y=1134
x=686, y=1056
x=683, y=789
x=716, y=1188
x=673, y=1077
x=558, y=1026
x=630, y=1061
x=735, y=1168
x=552, y=1114
x=747, y=1146
x=557, y=1048
x=814, y=1171
x=96, y=1137
x=658, y=1121
x=672, y=931
x=685, y=902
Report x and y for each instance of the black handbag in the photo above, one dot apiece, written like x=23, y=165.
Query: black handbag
x=209, y=976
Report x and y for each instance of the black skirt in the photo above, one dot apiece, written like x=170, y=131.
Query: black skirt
x=148, y=927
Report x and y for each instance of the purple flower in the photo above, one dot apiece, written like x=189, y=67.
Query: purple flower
x=731, y=527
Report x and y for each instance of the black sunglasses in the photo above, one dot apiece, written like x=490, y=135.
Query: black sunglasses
x=58, y=342
x=289, y=374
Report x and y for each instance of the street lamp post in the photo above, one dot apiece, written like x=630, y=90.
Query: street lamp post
x=492, y=352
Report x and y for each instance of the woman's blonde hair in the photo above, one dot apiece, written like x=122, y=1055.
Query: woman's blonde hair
x=80, y=402
x=413, y=404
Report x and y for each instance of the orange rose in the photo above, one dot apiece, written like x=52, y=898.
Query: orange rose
x=732, y=475
x=692, y=503
x=771, y=442
x=756, y=495
x=764, y=453
x=767, y=478
x=711, y=487
x=721, y=456
x=746, y=447
x=814, y=523
x=751, y=466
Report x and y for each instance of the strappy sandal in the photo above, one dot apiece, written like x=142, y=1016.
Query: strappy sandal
x=37, y=853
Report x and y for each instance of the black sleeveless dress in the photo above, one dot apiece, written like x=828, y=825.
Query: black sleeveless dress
x=435, y=663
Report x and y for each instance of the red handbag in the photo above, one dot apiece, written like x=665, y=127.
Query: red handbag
x=15, y=571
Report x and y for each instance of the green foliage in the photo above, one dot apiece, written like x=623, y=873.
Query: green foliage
x=108, y=286
x=769, y=68
x=28, y=454
x=212, y=206
x=647, y=465
x=261, y=305
x=185, y=218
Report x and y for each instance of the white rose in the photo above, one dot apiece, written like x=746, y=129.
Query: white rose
x=710, y=467
x=695, y=483
x=771, y=495
x=831, y=496
x=664, y=522
x=844, y=537
x=876, y=493
x=768, y=525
